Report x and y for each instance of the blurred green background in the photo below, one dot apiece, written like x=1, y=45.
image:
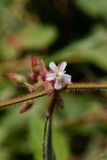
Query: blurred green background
x=56, y=30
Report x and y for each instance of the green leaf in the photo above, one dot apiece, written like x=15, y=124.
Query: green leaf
x=36, y=133
x=76, y=106
x=12, y=139
x=93, y=7
x=92, y=49
x=7, y=51
x=38, y=37
x=36, y=129
x=60, y=144
x=7, y=89
x=5, y=3
x=103, y=156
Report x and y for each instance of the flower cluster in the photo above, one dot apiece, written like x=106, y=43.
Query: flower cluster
x=53, y=79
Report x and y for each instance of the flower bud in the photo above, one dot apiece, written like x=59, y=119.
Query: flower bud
x=26, y=106
x=16, y=78
x=34, y=61
x=35, y=67
x=44, y=71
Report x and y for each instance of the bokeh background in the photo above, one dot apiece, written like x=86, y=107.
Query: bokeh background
x=56, y=30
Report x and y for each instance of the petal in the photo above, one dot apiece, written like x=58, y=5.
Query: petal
x=53, y=66
x=66, y=78
x=63, y=66
x=58, y=84
x=50, y=76
x=43, y=72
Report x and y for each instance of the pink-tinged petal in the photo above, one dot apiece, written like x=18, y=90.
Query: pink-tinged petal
x=58, y=84
x=53, y=66
x=34, y=61
x=63, y=66
x=66, y=78
x=50, y=76
x=43, y=72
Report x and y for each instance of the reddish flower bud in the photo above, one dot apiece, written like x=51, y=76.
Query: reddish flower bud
x=16, y=78
x=35, y=67
x=34, y=61
x=44, y=71
x=26, y=106
x=11, y=75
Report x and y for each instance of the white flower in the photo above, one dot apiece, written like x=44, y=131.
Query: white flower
x=58, y=74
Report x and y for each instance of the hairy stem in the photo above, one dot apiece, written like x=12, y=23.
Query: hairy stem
x=89, y=86
x=21, y=99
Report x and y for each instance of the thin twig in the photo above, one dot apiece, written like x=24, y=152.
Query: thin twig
x=88, y=86
x=72, y=87
x=16, y=100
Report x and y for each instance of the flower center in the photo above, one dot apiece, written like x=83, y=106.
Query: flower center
x=59, y=75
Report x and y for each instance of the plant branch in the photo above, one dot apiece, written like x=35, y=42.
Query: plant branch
x=89, y=86
x=20, y=99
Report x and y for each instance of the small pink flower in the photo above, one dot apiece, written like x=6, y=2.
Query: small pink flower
x=57, y=74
